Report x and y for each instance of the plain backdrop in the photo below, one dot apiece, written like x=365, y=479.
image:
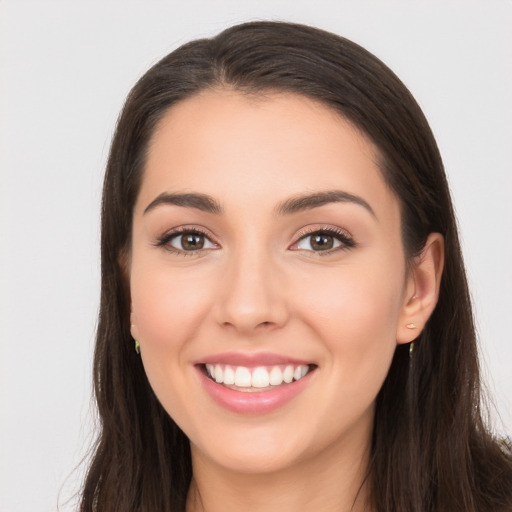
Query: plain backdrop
x=65, y=70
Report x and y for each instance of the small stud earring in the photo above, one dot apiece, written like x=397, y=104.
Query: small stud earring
x=137, y=347
x=411, y=326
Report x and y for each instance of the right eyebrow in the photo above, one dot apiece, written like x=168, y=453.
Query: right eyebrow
x=201, y=202
x=309, y=201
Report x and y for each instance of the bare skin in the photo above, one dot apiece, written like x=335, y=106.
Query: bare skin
x=251, y=270
x=212, y=491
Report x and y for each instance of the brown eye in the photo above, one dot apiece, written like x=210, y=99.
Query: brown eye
x=319, y=242
x=325, y=240
x=192, y=241
x=322, y=242
x=189, y=241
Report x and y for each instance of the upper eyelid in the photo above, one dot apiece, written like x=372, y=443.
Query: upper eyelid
x=346, y=239
x=311, y=230
x=168, y=235
x=300, y=234
x=180, y=230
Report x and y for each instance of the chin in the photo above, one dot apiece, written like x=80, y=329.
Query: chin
x=249, y=448
x=255, y=460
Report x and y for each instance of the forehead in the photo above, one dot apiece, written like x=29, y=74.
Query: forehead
x=225, y=143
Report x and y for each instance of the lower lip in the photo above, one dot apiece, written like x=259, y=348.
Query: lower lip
x=254, y=402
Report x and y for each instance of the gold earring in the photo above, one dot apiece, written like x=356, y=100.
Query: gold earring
x=411, y=349
x=137, y=347
x=410, y=326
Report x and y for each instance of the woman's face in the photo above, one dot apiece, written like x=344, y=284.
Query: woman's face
x=266, y=244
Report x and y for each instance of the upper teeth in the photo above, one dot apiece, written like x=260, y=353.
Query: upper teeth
x=259, y=377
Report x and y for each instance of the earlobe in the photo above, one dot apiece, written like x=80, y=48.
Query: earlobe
x=133, y=328
x=422, y=290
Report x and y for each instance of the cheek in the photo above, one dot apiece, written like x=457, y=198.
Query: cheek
x=355, y=318
x=168, y=308
x=356, y=311
x=351, y=299
x=166, y=305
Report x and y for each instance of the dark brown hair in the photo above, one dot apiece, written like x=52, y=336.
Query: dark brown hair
x=430, y=449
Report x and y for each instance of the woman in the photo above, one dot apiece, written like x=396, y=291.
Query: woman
x=285, y=321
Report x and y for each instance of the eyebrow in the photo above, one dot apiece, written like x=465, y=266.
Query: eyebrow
x=309, y=201
x=201, y=202
x=292, y=205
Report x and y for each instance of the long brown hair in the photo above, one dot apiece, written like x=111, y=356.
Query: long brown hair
x=430, y=449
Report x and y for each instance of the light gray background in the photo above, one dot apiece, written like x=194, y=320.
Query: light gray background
x=65, y=70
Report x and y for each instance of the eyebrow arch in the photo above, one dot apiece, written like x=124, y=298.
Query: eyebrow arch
x=309, y=201
x=192, y=200
x=292, y=205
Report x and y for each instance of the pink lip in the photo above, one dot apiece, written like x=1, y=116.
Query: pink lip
x=257, y=402
x=251, y=360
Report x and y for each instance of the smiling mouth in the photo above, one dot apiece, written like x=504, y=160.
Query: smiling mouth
x=257, y=379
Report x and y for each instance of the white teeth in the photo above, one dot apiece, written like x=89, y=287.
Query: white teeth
x=243, y=377
x=259, y=377
x=210, y=368
x=229, y=375
x=276, y=376
x=288, y=374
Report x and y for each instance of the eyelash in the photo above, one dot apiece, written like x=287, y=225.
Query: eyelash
x=164, y=240
x=347, y=242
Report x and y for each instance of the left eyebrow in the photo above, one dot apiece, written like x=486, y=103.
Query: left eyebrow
x=199, y=201
x=309, y=201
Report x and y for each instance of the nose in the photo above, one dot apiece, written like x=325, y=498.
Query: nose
x=252, y=296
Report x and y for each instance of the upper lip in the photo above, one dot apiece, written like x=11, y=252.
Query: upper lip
x=251, y=359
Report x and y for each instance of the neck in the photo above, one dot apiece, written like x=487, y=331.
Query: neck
x=332, y=481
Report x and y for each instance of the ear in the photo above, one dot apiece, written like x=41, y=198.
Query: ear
x=134, y=331
x=421, y=290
